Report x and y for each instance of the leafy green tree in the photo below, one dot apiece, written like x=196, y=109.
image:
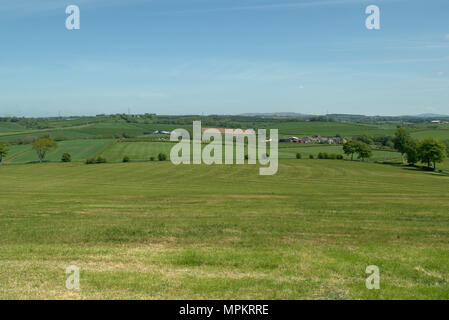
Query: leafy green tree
x=3, y=151
x=411, y=152
x=163, y=157
x=401, y=140
x=432, y=151
x=350, y=148
x=365, y=139
x=42, y=146
x=446, y=143
x=101, y=159
x=363, y=150
x=298, y=155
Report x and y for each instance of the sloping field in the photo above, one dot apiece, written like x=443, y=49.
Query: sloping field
x=155, y=230
x=141, y=151
x=137, y=151
x=442, y=134
x=331, y=129
x=289, y=150
x=80, y=150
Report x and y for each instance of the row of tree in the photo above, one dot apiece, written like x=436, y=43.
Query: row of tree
x=363, y=150
x=429, y=151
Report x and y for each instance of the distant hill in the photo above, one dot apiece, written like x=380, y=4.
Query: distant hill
x=431, y=115
x=341, y=116
x=275, y=114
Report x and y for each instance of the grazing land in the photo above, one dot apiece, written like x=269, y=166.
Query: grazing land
x=152, y=230
x=80, y=150
x=137, y=151
x=158, y=231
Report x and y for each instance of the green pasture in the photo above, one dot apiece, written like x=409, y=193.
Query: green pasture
x=80, y=150
x=289, y=151
x=137, y=151
x=152, y=230
x=325, y=129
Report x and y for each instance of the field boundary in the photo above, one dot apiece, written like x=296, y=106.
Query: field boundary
x=110, y=144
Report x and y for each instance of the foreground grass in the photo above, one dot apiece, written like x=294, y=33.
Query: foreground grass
x=159, y=231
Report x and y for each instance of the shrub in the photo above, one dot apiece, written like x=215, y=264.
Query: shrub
x=126, y=159
x=29, y=139
x=323, y=155
x=311, y=156
x=340, y=157
x=61, y=137
x=298, y=155
x=66, y=157
x=162, y=156
x=126, y=135
x=100, y=159
x=90, y=161
x=246, y=157
x=152, y=159
x=18, y=141
x=96, y=160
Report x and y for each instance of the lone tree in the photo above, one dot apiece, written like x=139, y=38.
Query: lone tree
x=42, y=146
x=364, y=151
x=432, y=151
x=401, y=141
x=350, y=147
x=3, y=151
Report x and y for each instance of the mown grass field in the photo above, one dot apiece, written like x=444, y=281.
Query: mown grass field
x=80, y=150
x=158, y=231
x=289, y=151
x=137, y=151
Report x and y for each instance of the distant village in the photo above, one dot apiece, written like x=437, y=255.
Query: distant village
x=315, y=139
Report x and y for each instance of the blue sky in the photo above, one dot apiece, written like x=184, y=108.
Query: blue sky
x=224, y=57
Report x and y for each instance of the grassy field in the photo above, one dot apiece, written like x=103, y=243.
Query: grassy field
x=158, y=231
x=330, y=129
x=80, y=150
x=137, y=151
x=289, y=150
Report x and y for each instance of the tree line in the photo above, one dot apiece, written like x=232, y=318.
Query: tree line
x=429, y=151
